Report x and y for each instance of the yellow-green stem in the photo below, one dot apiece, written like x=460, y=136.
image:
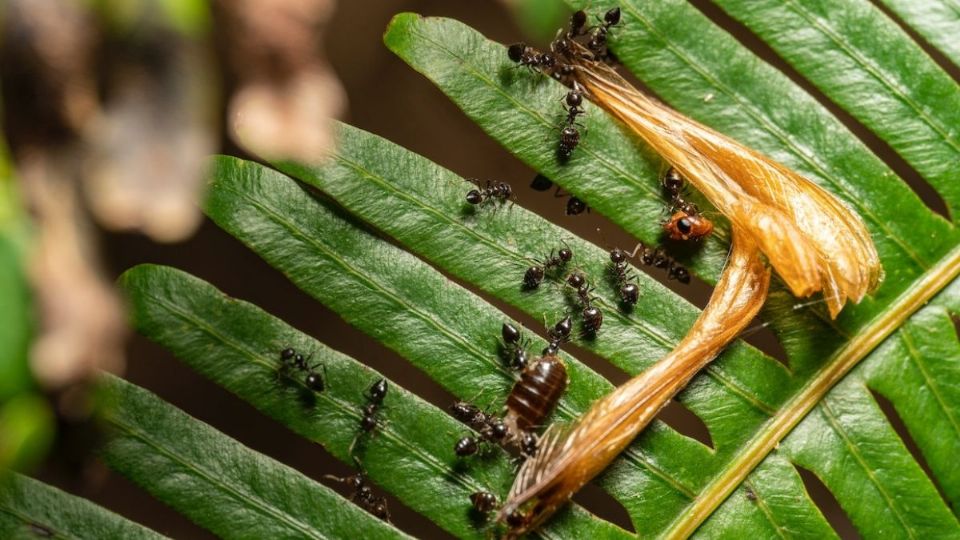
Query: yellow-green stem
x=768, y=437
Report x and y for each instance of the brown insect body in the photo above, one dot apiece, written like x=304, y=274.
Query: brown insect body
x=536, y=394
x=687, y=226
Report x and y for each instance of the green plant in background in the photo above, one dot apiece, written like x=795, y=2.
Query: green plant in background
x=670, y=485
x=26, y=422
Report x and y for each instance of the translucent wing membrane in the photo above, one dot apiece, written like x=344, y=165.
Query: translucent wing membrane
x=812, y=239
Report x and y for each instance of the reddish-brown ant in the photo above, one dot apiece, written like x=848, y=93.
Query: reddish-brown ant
x=685, y=222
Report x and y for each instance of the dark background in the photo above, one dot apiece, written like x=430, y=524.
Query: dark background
x=388, y=98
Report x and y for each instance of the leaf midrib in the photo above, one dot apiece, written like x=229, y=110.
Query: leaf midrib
x=244, y=497
x=854, y=450
x=838, y=365
x=765, y=510
x=27, y=521
x=918, y=360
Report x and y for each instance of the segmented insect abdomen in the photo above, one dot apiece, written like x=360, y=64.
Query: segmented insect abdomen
x=536, y=393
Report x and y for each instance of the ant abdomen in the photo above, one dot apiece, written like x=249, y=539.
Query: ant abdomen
x=536, y=394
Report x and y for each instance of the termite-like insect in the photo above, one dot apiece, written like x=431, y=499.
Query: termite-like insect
x=539, y=389
x=536, y=394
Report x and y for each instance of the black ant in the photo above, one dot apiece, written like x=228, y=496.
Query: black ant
x=369, y=420
x=363, y=495
x=525, y=55
x=514, y=345
x=575, y=206
x=492, y=430
x=569, y=134
x=685, y=222
x=375, y=395
x=558, y=335
x=574, y=100
x=598, y=36
x=500, y=191
x=555, y=260
x=592, y=316
x=654, y=257
x=629, y=291
x=290, y=359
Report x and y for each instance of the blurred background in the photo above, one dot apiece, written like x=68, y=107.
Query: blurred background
x=109, y=109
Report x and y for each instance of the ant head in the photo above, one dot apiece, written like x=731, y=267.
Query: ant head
x=515, y=51
x=511, y=334
x=612, y=17
x=578, y=19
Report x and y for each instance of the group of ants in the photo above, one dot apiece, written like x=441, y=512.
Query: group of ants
x=542, y=379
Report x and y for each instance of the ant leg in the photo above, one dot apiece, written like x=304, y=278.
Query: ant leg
x=558, y=193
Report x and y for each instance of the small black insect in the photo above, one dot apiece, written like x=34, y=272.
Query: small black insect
x=527, y=56
x=750, y=494
x=592, y=316
x=657, y=258
x=483, y=502
x=623, y=278
x=500, y=191
x=569, y=134
x=468, y=413
x=514, y=346
x=375, y=396
x=598, y=34
x=491, y=429
x=611, y=17
x=557, y=335
x=363, y=496
x=555, y=260
x=291, y=359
